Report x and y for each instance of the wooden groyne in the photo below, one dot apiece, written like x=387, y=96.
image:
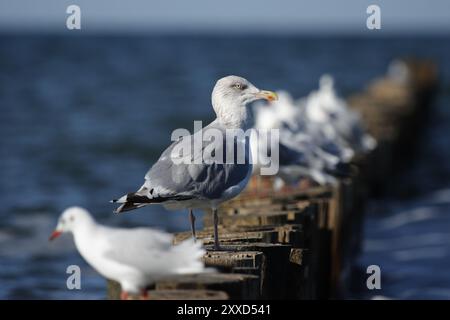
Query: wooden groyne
x=299, y=243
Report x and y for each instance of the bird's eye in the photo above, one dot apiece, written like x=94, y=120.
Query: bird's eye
x=240, y=86
x=71, y=218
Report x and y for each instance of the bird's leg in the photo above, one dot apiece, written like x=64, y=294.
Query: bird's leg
x=144, y=294
x=123, y=295
x=192, y=220
x=216, y=231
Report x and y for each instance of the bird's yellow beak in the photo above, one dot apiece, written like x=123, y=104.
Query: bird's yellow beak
x=267, y=95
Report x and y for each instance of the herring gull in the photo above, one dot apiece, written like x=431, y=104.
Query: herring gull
x=204, y=183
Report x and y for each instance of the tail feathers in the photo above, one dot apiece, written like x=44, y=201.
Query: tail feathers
x=132, y=201
x=128, y=206
x=189, y=257
x=136, y=197
x=139, y=199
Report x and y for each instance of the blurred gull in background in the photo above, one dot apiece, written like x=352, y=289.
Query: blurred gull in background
x=319, y=135
x=337, y=121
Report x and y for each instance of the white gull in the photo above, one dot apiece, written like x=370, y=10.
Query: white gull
x=135, y=258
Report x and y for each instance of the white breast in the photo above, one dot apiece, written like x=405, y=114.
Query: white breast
x=93, y=250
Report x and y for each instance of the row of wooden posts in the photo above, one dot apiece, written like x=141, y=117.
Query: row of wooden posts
x=299, y=243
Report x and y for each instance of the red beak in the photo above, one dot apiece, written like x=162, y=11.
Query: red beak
x=55, y=234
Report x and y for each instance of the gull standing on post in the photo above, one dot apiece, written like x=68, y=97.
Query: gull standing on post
x=303, y=150
x=206, y=183
x=325, y=110
x=135, y=258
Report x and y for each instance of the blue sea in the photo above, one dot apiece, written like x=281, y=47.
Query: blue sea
x=83, y=118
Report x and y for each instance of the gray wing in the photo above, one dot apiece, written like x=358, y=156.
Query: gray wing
x=181, y=171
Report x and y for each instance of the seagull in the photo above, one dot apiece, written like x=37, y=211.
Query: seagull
x=203, y=180
x=325, y=110
x=303, y=152
x=319, y=135
x=135, y=258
